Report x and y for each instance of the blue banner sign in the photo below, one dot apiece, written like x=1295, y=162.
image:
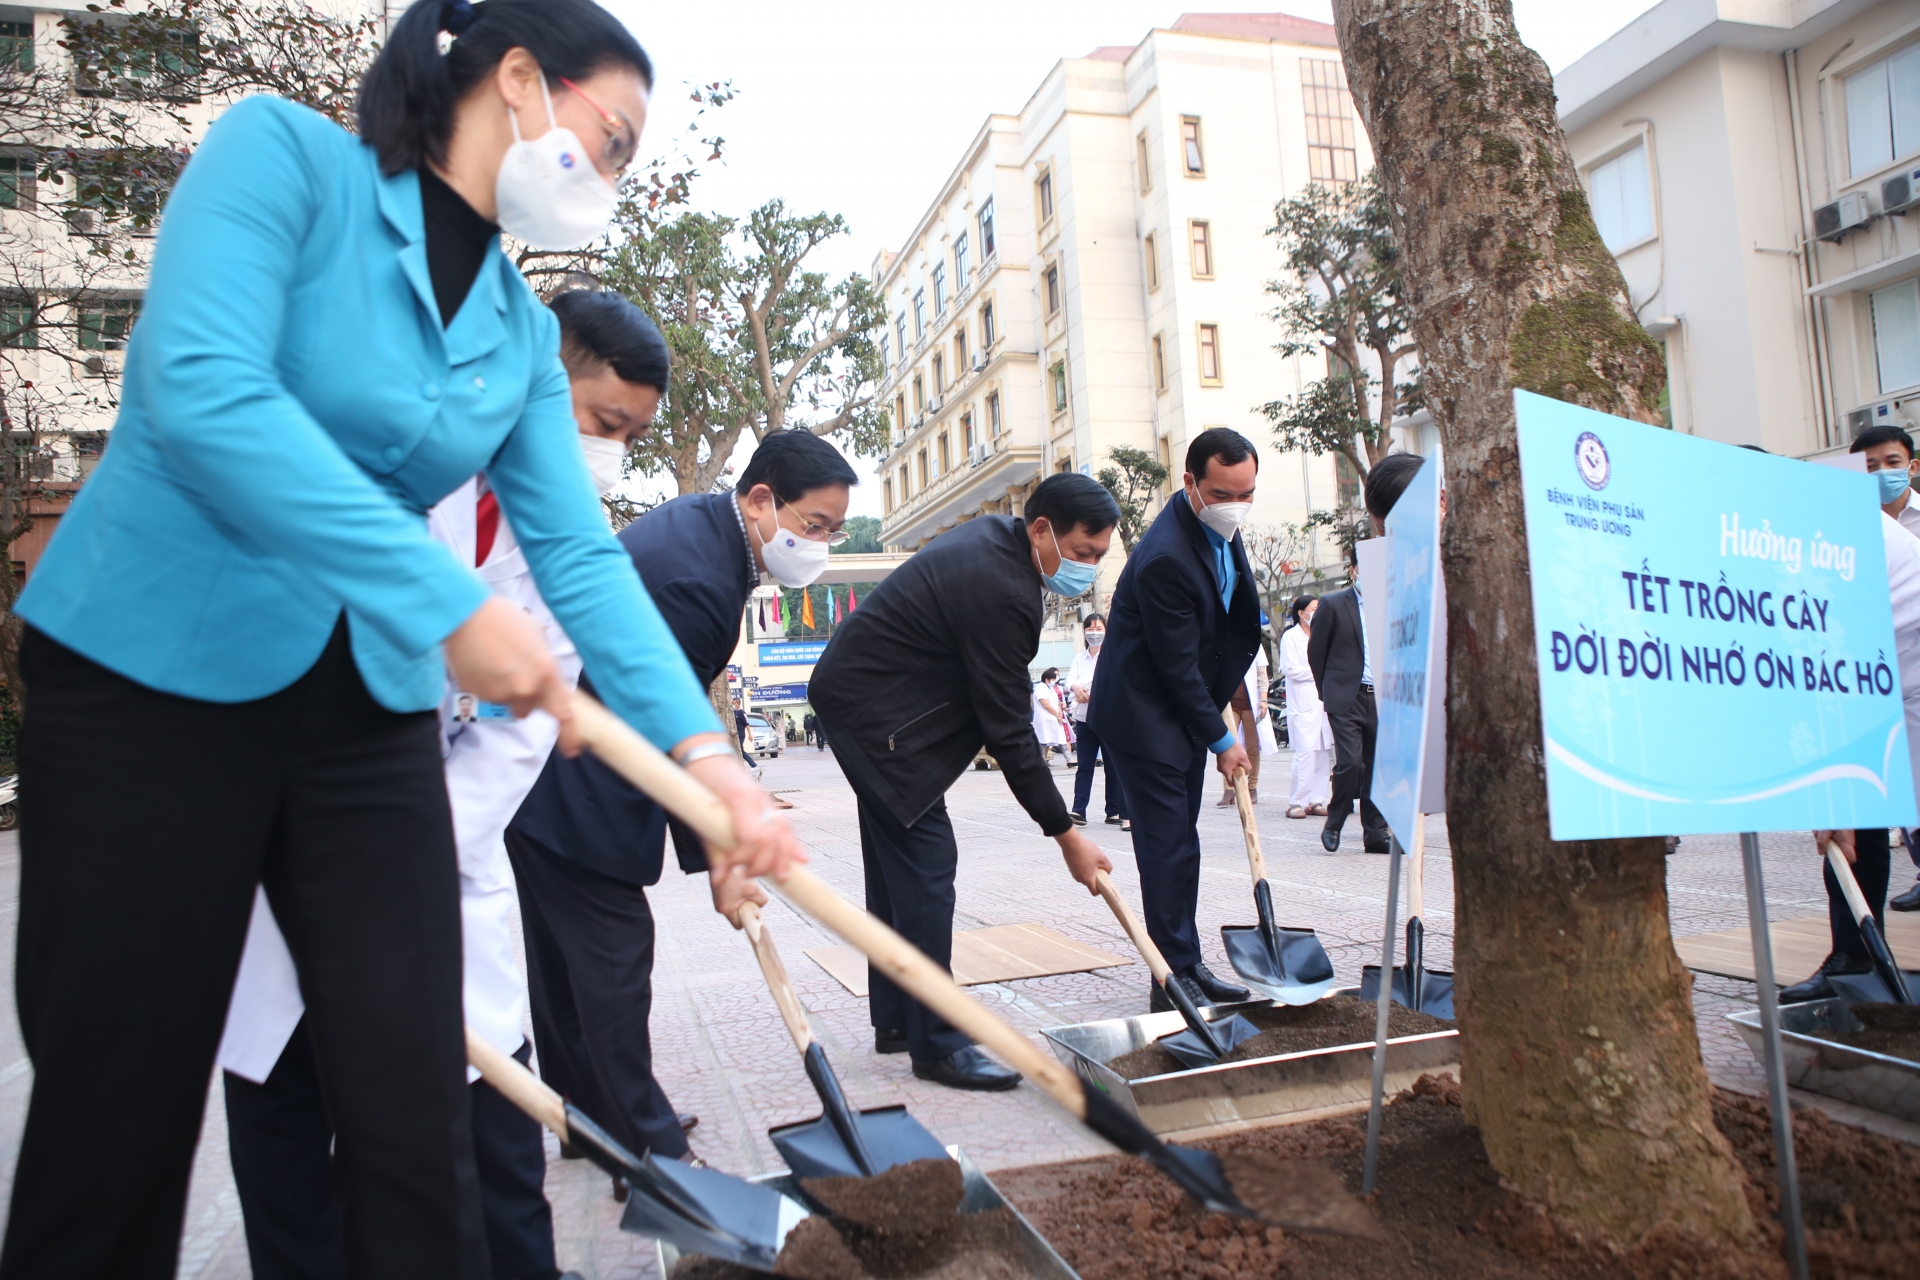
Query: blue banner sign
x=792, y=653
x=1713, y=631
x=1403, y=657
x=779, y=695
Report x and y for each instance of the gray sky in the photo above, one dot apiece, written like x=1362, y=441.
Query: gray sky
x=862, y=108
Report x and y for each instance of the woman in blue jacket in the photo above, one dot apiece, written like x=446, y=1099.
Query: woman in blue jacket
x=236, y=641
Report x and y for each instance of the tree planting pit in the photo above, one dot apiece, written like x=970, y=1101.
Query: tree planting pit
x=1324, y=1024
x=1892, y=1029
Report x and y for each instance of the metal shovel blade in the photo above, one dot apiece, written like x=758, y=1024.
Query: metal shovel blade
x=1231, y=1032
x=1883, y=961
x=709, y=1212
x=1292, y=969
x=1870, y=988
x=1414, y=986
x=814, y=1149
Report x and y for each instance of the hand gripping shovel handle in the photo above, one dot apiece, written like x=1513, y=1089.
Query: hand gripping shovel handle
x=1870, y=934
x=1157, y=965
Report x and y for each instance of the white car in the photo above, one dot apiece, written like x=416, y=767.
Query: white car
x=766, y=739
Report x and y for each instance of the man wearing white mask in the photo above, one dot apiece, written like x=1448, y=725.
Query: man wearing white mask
x=278, y=1132
x=585, y=845
x=1183, y=629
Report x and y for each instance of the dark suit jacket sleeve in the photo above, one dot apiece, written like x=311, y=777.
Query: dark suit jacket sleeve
x=1169, y=619
x=1002, y=696
x=1319, y=644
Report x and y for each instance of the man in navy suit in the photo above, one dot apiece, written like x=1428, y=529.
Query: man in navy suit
x=1183, y=629
x=585, y=845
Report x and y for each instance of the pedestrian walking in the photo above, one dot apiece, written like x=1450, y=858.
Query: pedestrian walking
x=1049, y=721
x=1183, y=630
x=331, y=342
x=1308, y=733
x=1080, y=683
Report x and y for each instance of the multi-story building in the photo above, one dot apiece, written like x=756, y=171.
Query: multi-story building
x=1093, y=273
x=1755, y=167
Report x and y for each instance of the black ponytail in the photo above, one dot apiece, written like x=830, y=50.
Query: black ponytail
x=603, y=327
x=408, y=97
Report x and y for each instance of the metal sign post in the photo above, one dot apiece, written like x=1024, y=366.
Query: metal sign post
x=1380, y=1020
x=1776, y=1068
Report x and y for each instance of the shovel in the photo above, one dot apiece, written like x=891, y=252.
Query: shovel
x=1203, y=1043
x=1303, y=1196
x=697, y=1210
x=842, y=1142
x=1415, y=986
x=1877, y=949
x=1288, y=965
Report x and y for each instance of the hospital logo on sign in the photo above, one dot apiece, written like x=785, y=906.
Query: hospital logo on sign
x=1590, y=456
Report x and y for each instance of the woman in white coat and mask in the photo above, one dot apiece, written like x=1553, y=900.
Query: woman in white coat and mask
x=1308, y=732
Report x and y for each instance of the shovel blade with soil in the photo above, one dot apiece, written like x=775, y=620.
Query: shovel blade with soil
x=1285, y=964
x=1414, y=985
x=1205, y=1041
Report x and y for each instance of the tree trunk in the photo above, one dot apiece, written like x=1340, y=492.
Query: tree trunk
x=1581, y=1062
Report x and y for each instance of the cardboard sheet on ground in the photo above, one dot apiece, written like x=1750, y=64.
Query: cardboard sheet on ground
x=1713, y=633
x=1409, y=661
x=1798, y=947
x=1000, y=954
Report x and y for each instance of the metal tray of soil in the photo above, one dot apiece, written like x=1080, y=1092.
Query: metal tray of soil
x=1819, y=1064
x=1252, y=1090
x=1038, y=1257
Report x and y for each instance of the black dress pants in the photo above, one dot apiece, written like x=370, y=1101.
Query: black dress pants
x=1353, y=736
x=1089, y=746
x=281, y=1147
x=1163, y=800
x=151, y=819
x=589, y=944
x=910, y=874
x=1872, y=868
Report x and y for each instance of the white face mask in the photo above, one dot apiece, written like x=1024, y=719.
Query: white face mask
x=1223, y=518
x=793, y=561
x=606, y=459
x=548, y=192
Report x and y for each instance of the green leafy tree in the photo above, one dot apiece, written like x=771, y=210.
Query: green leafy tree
x=1341, y=300
x=1135, y=480
x=863, y=537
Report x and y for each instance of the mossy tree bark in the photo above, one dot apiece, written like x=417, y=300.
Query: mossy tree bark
x=1582, y=1065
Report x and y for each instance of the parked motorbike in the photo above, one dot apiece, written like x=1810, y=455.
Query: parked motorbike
x=9, y=802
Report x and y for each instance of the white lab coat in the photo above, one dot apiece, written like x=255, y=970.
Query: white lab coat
x=491, y=764
x=1309, y=733
x=1256, y=682
x=1050, y=731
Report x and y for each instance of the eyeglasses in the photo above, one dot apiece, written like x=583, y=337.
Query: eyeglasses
x=622, y=141
x=814, y=532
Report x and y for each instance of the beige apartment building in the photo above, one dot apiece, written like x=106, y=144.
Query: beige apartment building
x=1755, y=167
x=1092, y=274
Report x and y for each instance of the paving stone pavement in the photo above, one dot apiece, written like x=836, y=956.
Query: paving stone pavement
x=723, y=1053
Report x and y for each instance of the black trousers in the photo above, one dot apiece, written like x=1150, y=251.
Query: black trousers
x=151, y=819
x=281, y=1147
x=590, y=945
x=1164, y=802
x=1872, y=868
x=1353, y=737
x=910, y=874
x=1088, y=743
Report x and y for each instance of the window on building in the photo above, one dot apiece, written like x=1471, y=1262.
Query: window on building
x=1331, y=155
x=166, y=66
x=1159, y=363
x=986, y=231
x=960, y=352
x=105, y=323
x=1059, y=380
x=919, y=395
x=886, y=489
x=1052, y=285
x=899, y=415
x=1896, y=335
x=19, y=323
x=886, y=352
x=16, y=46
x=922, y=463
x=939, y=288
x=960, y=261
x=903, y=482
x=1201, y=235
x=1195, y=159
x=1143, y=156
x=939, y=373
x=946, y=457
x=919, y=314
x=17, y=185
x=1043, y=196
x=1166, y=461
x=1346, y=481
x=966, y=435
x=987, y=335
x=1883, y=111
x=1210, y=355
x=993, y=413
x=900, y=333
x=1622, y=198
x=1152, y=248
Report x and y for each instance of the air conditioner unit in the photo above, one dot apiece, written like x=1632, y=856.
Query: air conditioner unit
x=979, y=361
x=978, y=455
x=1846, y=215
x=1901, y=192
x=1880, y=413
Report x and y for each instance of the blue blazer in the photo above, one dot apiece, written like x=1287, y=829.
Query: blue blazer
x=1173, y=654
x=292, y=407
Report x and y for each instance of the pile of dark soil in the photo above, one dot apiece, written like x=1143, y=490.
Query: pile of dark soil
x=1444, y=1214
x=1323, y=1024
x=1892, y=1029
x=903, y=1224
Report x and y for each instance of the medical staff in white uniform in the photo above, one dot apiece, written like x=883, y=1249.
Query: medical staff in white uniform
x=1308, y=732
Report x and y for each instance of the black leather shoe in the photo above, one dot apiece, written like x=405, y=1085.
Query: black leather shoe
x=889, y=1040
x=1157, y=1001
x=1213, y=988
x=1376, y=846
x=1114, y=820
x=967, y=1068
x=1079, y=819
x=1329, y=839
x=1908, y=901
x=1817, y=987
x=687, y=1121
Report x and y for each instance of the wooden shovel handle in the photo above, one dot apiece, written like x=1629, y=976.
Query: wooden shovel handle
x=1417, y=866
x=676, y=791
x=1249, y=829
x=1156, y=962
x=518, y=1085
x=775, y=973
x=1856, y=901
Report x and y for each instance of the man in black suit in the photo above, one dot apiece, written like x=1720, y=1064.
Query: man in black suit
x=585, y=845
x=1182, y=631
x=1342, y=666
x=932, y=666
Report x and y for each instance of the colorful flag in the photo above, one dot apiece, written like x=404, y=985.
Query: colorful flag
x=833, y=614
x=851, y=602
x=806, y=609
x=763, y=615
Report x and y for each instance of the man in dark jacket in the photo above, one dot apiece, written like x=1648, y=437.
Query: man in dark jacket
x=1183, y=629
x=932, y=666
x=585, y=845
